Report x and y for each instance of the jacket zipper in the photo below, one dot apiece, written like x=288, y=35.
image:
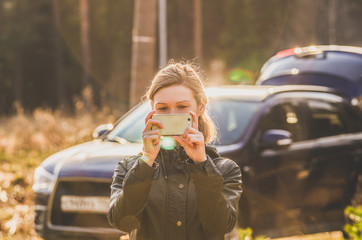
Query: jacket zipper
x=166, y=193
x=166, y=206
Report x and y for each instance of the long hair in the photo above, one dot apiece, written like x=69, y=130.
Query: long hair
x=185, y=74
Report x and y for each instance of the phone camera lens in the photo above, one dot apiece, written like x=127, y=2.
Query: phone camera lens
x=188, y=119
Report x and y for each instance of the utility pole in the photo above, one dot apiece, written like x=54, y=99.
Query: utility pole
x=143, y=48
x=198, y=29
x=162, y=29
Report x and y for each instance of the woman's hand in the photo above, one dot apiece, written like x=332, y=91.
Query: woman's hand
x=193, y=141
x=151, y=139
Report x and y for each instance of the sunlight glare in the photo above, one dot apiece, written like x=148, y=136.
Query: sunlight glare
x=168, y=143
x=297, y=50
x=312, y=48
x=294, y=71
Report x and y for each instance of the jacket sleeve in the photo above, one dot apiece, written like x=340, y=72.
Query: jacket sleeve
x=218, y=191
x=131, y=184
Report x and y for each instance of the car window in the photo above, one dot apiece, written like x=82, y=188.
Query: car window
x=232, y=118
x=325, y=119
x=131, y=127
x=284, y=116
x=353, y=115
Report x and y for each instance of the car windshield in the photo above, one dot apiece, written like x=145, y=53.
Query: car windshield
x=231, y=118
x=131, y=126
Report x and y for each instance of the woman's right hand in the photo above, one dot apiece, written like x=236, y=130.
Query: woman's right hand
x=151, y=139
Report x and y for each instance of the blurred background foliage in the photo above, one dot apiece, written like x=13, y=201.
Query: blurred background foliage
x=354, y=229
x=40, y=36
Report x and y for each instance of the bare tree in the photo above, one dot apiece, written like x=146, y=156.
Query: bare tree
x=58, y=56
x=332, y=18
x=86, y=61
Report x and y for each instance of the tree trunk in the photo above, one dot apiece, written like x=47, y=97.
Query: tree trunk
x=332, y=21
x=18, y=81
x=143, y=48
x=58, y=58
x=85, y=46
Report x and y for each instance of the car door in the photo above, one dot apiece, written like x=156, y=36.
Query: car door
x=333, y=167
x=305, y=186
x=278, y=175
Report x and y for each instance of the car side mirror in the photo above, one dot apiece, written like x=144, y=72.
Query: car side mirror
x=101, y=130
x=276, y=139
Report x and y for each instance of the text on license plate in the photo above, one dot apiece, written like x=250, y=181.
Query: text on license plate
x=84, y=204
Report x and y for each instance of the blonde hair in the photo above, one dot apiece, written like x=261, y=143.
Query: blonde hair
x=185, y=74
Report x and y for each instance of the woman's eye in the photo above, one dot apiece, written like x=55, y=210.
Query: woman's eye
x=161, y=109
x=183, y=106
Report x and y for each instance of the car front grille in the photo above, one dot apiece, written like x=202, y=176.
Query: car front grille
x=79, y=188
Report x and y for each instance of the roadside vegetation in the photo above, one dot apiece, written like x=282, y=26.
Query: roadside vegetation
x=247, y=234
x=354, y=229
x=25, y=140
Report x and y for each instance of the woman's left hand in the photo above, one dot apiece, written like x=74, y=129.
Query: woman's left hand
x=193, y=141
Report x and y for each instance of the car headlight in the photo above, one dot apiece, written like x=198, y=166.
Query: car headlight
x=43, y=180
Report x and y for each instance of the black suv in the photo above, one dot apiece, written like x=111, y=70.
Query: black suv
x=338, y=67
x=299, y=149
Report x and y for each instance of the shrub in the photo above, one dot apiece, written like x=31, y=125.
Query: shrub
x=247, y=234
x=25, y=140
x=354, y=230
x=47, y=130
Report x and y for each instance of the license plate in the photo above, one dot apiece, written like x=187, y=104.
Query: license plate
x=84, y=204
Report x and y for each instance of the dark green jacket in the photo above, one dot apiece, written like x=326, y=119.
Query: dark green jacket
x=176, y=198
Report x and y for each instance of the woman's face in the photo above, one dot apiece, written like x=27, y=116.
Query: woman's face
x=176, y=99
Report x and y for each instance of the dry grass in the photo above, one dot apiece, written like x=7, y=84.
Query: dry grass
x=25, y=140
x=318, y=236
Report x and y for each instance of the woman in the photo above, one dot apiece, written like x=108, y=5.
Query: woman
x=189, y=192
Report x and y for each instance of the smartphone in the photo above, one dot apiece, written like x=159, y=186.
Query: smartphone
x=173, y=124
